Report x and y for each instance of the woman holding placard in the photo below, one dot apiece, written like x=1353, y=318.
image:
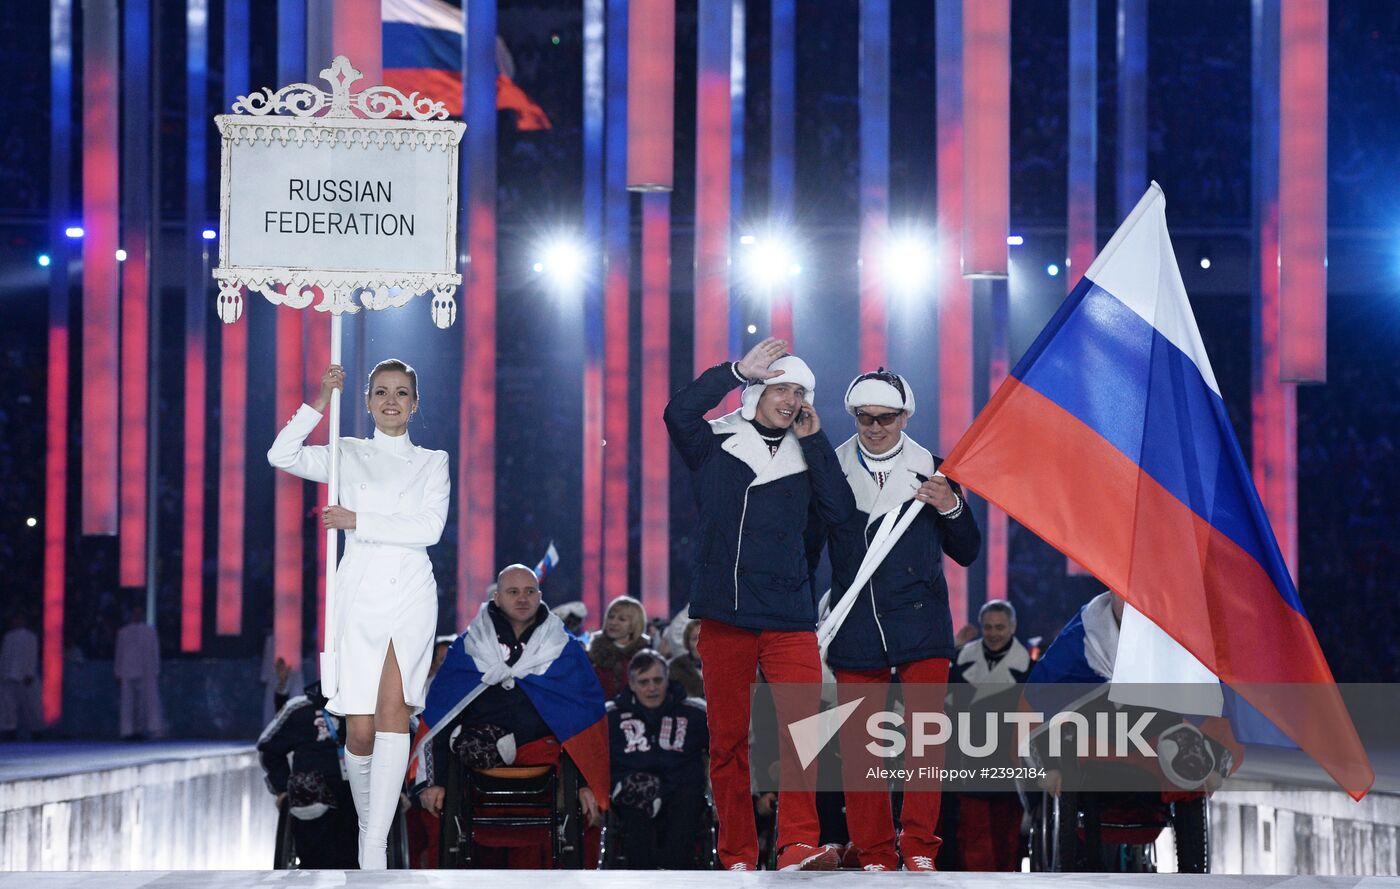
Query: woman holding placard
x=393, y=498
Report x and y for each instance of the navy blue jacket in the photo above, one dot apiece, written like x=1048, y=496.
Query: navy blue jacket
x=669, y=742
x=751, y=561
x=902, y=614
x=307, y=733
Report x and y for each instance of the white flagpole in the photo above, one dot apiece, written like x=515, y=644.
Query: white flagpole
x=330, y=666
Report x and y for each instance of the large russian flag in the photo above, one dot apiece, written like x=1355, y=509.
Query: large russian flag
x=1110, y=440
x=422, y=45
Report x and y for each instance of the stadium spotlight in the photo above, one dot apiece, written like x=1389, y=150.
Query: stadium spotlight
x=562, y=262
x=769, y=260
x=209, y=234
x=1205, y=262
x=31, y=521
x=1052, y=270
x=909, y=263
x=74, y=231
x=1015, y=240
x=752, y=328
x=44, y=260
x=121, y=255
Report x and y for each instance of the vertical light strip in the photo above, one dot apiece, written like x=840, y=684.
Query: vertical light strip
x=651, y=95
x=616, y=298
x=101, y=309
x=738, y=85
x=476, y=476
x=782, y=179
x=712, y=183
x=56, y=388
x=874, y=178
x=357, y=32
x=954, y=291
x=594, y=27
x=996, y=550
x=1273, y=433
x=138, y=199
x=233, y=381
x=288, y=576
x=1131, y=175
x=656, y=389
x=1302, y=216
x=1082, y=174
x=197, y=287
x=288, y=580
x=987, y=121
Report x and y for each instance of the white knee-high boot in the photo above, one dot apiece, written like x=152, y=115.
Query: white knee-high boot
x=357, y=772
x=385, y=783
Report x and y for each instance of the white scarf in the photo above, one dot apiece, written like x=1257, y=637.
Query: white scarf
x=544, y=646
x=991, y=679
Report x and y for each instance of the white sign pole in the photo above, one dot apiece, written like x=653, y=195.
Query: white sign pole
x=330, y=666
x=349, y=195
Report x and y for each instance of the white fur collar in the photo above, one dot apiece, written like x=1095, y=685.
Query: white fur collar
x=742, y=440
x=913, y=460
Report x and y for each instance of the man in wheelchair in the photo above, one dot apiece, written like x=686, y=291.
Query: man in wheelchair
x=658, y=740
x=1099, y=801
x=300, y=755
x=515, y=690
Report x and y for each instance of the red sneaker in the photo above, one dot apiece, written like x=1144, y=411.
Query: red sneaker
x=800, y=856
x=918, y=862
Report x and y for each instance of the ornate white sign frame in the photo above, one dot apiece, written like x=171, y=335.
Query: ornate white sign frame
x=376, y=118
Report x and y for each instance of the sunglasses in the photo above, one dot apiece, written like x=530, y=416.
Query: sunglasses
x=885, y=420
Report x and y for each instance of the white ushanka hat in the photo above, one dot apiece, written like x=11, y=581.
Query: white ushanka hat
x=880, y=388
x=795, y=371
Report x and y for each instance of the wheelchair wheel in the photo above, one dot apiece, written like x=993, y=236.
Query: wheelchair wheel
x=284, y=856
x=1042, y=832
x=1065, y=847
x=398, y=842
x=1191, y=829
x=569, y=831
x=610, y=855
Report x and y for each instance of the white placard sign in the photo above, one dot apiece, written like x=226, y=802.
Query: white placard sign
x=345, y=192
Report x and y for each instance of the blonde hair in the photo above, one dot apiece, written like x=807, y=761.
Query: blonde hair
x=636, y=617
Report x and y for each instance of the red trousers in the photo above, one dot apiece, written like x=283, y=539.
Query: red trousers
x=732, y=655
x=868, y=816
x=989, y=832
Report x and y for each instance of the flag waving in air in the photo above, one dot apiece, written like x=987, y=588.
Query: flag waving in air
x=1111, y=442
x=422, y=44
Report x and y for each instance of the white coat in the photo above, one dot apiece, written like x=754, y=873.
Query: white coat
x=385, y=591
x=137, y=668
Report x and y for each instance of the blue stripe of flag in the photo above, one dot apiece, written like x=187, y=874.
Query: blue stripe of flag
x=1107, y=366
x=415, y=46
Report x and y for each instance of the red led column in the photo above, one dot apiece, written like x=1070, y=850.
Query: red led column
x=101, y=312
x=1302, y=217
x=712, y=183
x=656, y=390
x=954, y=291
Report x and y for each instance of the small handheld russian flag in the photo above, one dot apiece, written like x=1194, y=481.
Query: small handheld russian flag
x=548, y=563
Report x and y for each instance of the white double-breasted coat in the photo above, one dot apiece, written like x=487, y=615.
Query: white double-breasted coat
x=385, y=590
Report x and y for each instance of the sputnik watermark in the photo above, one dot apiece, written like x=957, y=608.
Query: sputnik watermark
x=891, y=733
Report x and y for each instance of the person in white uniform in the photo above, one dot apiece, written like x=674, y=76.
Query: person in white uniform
x=19, y=681
x=393, y=506
x=137, y=667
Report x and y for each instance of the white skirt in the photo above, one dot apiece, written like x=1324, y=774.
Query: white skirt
x=385, y=594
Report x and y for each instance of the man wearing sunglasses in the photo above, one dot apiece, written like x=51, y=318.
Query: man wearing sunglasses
x=901, y=622
x=758, y=475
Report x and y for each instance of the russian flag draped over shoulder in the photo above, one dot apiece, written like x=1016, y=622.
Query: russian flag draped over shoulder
x=1110, y=441
x=554, y=672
